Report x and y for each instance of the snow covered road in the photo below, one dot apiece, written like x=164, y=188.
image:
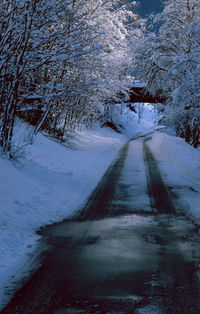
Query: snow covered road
x=130, y=250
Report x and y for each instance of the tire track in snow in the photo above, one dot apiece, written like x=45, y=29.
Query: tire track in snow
x=158, y=192
x=98, y=203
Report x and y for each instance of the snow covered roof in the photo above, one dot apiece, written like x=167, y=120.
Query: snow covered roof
x=138, y=83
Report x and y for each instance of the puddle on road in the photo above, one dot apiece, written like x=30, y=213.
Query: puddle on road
x=146, y=257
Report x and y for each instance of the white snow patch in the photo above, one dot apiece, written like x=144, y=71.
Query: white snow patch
x=180, y=165
x=181, y=155
x=46, y=186
x=144, y=120
x=140, y=84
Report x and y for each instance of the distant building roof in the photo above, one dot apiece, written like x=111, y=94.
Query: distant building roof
x=140, y=84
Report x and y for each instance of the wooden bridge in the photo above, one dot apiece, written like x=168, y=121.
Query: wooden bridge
x=141, y=94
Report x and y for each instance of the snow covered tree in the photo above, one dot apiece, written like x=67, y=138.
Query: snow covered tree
x=102, y=72
x=184, y=110
x=169, y=61
x=62, y=58
x=15, y=25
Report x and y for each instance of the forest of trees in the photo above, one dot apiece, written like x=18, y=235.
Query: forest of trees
x=62, y=60
x=169, y=61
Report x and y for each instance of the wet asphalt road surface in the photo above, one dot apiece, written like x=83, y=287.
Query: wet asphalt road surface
x=127, y=251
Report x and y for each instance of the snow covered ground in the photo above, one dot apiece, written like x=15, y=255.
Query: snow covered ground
x=180, y=166
x=133, y=124
x=51, y=182
x=47, y=186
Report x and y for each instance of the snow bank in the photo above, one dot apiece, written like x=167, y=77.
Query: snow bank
x=180, y=165
x=132, y=123
x=46, y=186
x=183, y=156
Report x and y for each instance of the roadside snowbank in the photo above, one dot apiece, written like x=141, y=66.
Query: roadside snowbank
x=180, y=164
x=183, y=156
x=46, y=186
x=131, y=123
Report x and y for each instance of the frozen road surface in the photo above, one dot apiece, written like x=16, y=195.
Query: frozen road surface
x=129, y=250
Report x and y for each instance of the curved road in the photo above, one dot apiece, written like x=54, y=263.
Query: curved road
x=127, y=251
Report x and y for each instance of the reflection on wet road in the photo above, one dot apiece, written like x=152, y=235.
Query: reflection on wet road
x=124, y=253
